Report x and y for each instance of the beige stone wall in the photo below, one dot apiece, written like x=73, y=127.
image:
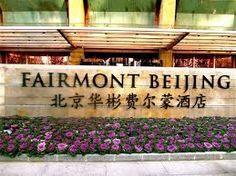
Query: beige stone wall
x=35, y=101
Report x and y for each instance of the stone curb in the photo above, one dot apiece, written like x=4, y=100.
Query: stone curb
x=125, y=157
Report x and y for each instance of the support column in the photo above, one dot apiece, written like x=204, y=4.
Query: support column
x=76, y=12
x=167, y=57
x=167, y=13
x=167, y=20
x=76, y=56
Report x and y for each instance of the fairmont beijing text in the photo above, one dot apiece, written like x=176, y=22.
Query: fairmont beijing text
x=100, y=80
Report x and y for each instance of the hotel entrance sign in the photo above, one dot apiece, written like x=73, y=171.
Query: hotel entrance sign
x=82, y=91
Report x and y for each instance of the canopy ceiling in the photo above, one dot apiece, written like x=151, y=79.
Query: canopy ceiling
x=96, y=38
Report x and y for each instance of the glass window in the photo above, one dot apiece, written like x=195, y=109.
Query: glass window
x=223, y=62
x=203, y=61
x=36, y=58
x=183, y=61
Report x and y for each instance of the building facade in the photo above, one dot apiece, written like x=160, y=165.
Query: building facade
x=168, y=33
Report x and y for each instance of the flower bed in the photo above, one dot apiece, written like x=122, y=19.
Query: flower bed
x=46, y=135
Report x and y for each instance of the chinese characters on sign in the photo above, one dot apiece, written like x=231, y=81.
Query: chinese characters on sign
x=131, y=100
x=153, y=82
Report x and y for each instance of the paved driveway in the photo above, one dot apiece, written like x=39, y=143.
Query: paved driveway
x=171, y=168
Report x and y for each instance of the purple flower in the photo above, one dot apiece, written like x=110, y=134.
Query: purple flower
x=107, y=141
x=30, y=136
x=218, y=136
x=127, y=148
x=69, y=134
x=73, y=148
x=41, y=147
x=189, y=139
x=226, y=146
x=116, y=141
x=51, y=147
x=48, y=135
x=207, y=145
x=138, y=148
x=183, y=146
x=7, y=137
x=83, y=147
x=77, y=142
x=148, y=147
x=233, y=144
x=116, y=125
x=23, y=146
x=115, y=147
x=111, y=135
x=92, y=133
x=181, y=141
x=146, y=127
x=199, y=145
x=161, y=140
x=92, y=147
x=19, y=136
x=170, y=138
x=96, y=140
x=10, y=147
x=225, y=140
x=151, y=136
x=11, y=141
x=104, y=146
x=209, y=134
x=132, y=140
x=191, y=145
x=216, y=145
x=1, y=146
x=214, y=140
x=160, y=147
x=62, y=147
x=171, y=148
x=122, y=135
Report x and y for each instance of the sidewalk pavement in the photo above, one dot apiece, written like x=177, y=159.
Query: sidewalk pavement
x=166, y=168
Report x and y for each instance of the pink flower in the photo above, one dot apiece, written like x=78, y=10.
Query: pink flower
x=41, y=147
x=69, y=134
x=62, y=147
x=48, y=135
x=115, y=125
x=115, y=147
x=116, y=141
x=216, y=145
x=160, y=147
x=51, y=147
x=171, y=148
x=127, y=148
x=138, y=148
x=104, y=146
x=73, y=148
x=148, y=147
x=111, y=135
x=10, y=147
x=207, y=145
x=83, y=147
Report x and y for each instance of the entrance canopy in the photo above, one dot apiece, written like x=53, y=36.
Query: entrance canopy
x=111, y=38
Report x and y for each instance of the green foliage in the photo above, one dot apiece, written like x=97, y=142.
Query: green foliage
x=207, y=6
x=122, y=5
x=33, y=5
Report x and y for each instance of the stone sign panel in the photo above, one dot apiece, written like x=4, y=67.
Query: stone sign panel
x=90, y=91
